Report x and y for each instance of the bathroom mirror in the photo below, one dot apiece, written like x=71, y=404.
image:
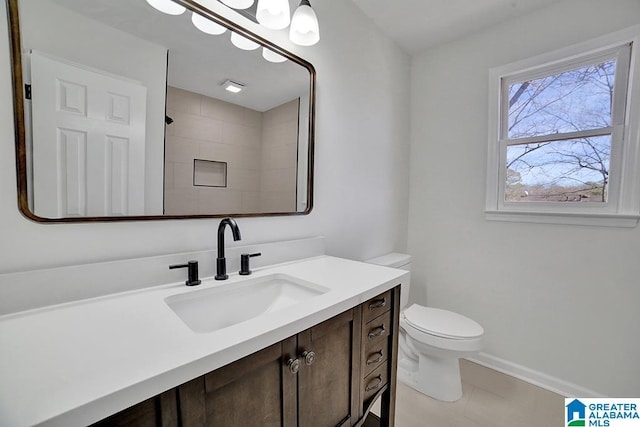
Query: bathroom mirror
x=127, y=113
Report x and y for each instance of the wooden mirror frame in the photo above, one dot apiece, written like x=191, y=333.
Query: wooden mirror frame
x=20, y=130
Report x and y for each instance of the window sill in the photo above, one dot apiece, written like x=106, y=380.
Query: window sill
x=598, y=220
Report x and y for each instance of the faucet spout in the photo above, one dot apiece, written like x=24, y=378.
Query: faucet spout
x=221, y=261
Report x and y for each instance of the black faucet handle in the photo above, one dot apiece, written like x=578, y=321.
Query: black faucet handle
x=192, y=272
x=244, y=263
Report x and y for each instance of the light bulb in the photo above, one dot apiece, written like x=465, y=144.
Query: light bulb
x=271, y=56
x=238, y=4
x=206, y=25
x=273, y=14
x=167, y=6
x=273, y=8
x=242, y=42
x=304, y=30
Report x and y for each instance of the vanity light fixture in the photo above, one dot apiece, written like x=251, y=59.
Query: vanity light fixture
x=207, y=26
x=167, y=6
x=271, y=56
x=241, y=42
x=238, y=4
x=232, y=86
x=304, y=30
x=273, y=14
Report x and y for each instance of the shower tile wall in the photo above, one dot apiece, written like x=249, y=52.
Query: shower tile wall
x=256, y=147
x=279, y=158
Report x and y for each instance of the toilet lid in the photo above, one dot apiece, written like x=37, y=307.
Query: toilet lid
x=442, y=323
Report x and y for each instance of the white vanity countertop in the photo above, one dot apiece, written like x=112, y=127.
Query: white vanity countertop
x=76, y=363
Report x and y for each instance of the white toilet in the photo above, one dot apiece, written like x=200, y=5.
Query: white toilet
x=431, y=341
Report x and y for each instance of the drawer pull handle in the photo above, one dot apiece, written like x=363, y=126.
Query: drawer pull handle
x=377, y=332
x=378, y=304
x=377, y=359
x=378, y=383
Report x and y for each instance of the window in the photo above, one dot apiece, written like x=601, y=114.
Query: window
x=563, y=138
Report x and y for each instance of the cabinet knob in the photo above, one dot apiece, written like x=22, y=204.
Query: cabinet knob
x=293, y=365
x=309, y=357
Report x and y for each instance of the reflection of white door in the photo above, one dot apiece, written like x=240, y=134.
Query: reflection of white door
x=88, y=141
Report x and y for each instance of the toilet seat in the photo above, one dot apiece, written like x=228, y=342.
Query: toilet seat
x=442, y=323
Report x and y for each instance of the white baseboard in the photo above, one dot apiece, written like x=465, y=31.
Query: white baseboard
x=534, y=377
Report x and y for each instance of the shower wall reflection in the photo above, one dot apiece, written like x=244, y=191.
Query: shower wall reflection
x=259, y=151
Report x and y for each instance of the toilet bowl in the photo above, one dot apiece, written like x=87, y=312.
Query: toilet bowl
x=431, y=341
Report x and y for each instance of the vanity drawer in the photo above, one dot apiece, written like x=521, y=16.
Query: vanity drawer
x=376, y=306
x=377, y=329
x=376, y=352
x=374, y=382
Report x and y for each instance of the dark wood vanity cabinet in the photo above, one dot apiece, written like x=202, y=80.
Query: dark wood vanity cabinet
x=326, y=376
x=158, y=411
x=255, y=390
x=325, y=386
x=304, y=380
x=379, y=357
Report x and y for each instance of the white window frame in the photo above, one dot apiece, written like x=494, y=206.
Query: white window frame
x=622, y=208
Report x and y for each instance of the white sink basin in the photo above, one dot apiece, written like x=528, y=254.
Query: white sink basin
x=208, y=310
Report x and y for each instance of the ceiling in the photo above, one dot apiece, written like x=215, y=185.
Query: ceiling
x=198, y=62
x=416, y=25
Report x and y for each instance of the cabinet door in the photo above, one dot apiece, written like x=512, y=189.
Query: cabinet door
x=159, y=411
x=257, y=390
x=327, y=380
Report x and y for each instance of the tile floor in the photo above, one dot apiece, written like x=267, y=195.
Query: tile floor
x=490, y=399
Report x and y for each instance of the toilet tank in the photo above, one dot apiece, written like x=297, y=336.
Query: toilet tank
x=401, y=261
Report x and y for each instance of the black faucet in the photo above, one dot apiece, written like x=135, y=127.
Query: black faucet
x=221, y=261
x=244, y=263
x=192, y=274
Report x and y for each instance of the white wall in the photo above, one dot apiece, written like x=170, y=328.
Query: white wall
x=559, y=300
x=361, y=180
